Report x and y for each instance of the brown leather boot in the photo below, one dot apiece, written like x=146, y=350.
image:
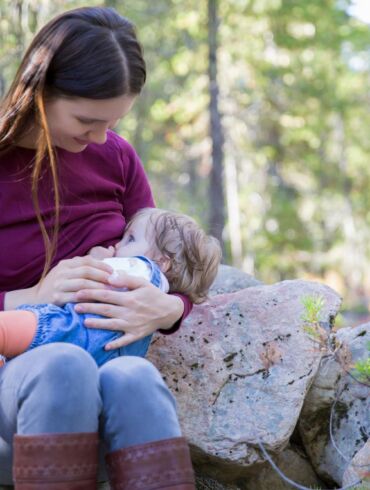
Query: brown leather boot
x=56, y=461
x=152, y=466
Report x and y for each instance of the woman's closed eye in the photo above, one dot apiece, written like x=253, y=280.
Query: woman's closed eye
x=85, y=121
x=130, y=238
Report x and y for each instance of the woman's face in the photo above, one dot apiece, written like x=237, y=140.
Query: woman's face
x=76, y=122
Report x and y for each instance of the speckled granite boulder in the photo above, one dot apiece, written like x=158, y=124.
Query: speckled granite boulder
x=335, y=380
x=359, y=468
x=240, y=369
x=229, y=279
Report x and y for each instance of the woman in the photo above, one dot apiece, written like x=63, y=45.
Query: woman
x=67, y=183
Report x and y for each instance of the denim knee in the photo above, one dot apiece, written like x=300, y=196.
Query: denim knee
x=137, y=405
x=60, y=391
x=129, y=376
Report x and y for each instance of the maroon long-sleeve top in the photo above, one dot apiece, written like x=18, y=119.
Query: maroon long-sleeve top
x=100, y=187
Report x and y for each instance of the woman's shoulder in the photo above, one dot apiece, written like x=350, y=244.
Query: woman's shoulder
x=115, y=150
x=117, y=143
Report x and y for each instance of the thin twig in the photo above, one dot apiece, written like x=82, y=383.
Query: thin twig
x=288, y=480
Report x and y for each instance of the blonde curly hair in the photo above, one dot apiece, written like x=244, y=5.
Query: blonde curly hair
x=192, y=257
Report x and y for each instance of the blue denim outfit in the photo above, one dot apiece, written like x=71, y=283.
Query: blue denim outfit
x=64, y=324
x=58, y=388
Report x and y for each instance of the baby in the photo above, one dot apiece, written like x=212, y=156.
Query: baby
x=167, y=248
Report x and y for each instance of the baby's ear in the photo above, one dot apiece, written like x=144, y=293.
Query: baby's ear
x=164, y=263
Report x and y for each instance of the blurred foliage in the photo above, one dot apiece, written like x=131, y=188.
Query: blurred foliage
x=294, y=79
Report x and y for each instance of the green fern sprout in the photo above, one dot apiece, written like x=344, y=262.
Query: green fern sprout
x=311, y=317
x=362, y=368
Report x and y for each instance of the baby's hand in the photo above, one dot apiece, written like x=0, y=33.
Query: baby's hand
x=101, y=253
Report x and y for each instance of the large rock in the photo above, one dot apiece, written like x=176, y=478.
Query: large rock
x=359, y=467
x=240, y=369
x=293, y=464
x=336, y=383
x=229, y=279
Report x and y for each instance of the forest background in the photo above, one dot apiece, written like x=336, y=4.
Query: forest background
x=281, y=171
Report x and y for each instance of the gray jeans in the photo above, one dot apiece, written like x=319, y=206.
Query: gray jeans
x=58, y=388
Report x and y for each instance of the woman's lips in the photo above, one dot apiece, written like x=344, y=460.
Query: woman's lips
x=81, y=142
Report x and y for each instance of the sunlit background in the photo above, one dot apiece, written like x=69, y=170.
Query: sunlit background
x=361, y=10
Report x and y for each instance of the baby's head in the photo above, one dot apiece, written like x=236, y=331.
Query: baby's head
x=186, y=255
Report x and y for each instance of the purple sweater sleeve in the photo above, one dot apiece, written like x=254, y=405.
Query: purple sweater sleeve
x=138, y=193
x=188, y=306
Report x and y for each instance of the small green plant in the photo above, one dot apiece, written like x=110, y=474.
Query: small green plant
x=362, y=368
x=311, y=317
x=313, y=306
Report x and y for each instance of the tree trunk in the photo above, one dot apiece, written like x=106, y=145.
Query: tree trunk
x=216, y=189
x=233, y=211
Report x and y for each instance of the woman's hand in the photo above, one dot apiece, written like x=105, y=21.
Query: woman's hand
x=69, y=276
x=101, y=253
x=138, y=312
x=62, y=282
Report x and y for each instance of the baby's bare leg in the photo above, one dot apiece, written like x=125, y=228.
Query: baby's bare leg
x=17, y=329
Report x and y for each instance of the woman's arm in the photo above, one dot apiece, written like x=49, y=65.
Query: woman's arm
x=187, y=307
x=13, y=299
x=62, y=283
x=138, y=312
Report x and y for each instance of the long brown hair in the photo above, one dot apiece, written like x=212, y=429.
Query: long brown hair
x=89, y=52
